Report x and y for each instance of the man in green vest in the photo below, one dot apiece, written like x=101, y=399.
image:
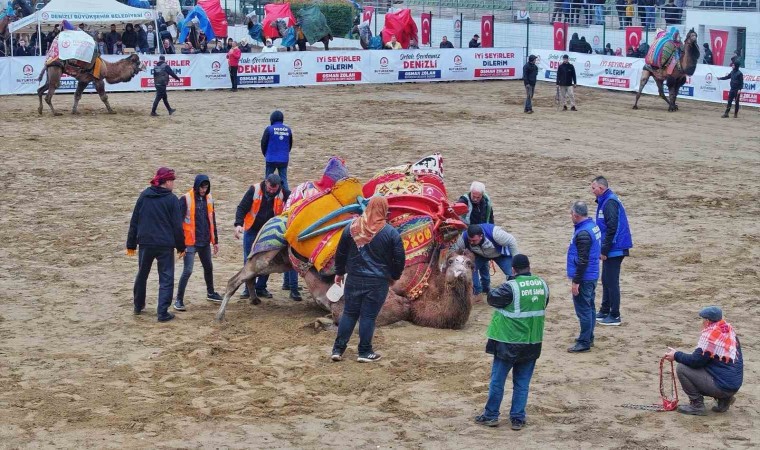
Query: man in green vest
x=514, y=340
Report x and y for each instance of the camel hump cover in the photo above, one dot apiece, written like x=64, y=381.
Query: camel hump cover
x=314, y=24
x=75, y=44
x=665, y=46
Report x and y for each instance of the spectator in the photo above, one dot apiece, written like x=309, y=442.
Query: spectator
x=245, y=47
x=111, y=38
x=566, y=81
x=620, y=8
x=118, y=47
x=192, y=36
x=474, y=42
x=152, y=40
x=269, y=47
x=129, y=36
x=479, y=207
x=445, y=43
x=52, y=35
x=643, y=50
x=608, y=50
x=618, y=51
x=633, y=52
x=300, y=38
x=218, y=47
x=163, y=34
x=22, y=49
x=188, y=49
x=161, y=74
x=708, y=58
x=202, y=43
x=233, y=61
x=160, y=20
x=276, y=144
x=737, y=58
x=413, y=44
x=671, y=13
x=558, y=11
x=142, y=40
x=530, y=74
x=102, y=46
x=394, y=44
x=168, y=48
x=586, y=46
x=575, y=45
x=229, y=44
x=630, y=11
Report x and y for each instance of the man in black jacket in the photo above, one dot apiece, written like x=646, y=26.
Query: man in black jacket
x=530, y=74
x=445, y=43
x=161, y=75
x=371, y=253
x=474, y=42
x=566, y=81
x=575, y=45
x=708, y=58
x=156, y=226
x=479, y=208
x=129, y=36
x=737, y=83
x=111, y=38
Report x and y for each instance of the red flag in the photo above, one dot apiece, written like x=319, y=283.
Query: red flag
x=633, y=37
x=427, y=21
x=560, y=36
x=718, y=39
x=486, y=29
x=367, y=14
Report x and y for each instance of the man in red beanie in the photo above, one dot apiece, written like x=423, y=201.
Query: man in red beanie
x=156, y=226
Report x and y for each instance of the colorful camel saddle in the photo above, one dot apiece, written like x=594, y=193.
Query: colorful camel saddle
x=665, y=52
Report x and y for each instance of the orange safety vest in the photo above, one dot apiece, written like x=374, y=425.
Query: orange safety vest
x=258, y=194
x=188, y=225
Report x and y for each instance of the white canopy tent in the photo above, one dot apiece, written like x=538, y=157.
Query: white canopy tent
x=93, y=13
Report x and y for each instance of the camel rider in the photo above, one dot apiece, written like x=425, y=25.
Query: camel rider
x=276, y=144
x=514, y=339
x=201, y=237
x=737, y=83
x=161, y=74
x=259, y=204
x=489, y=243
x=479, y=209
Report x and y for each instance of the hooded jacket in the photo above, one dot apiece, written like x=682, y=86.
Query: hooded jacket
x=277, y=140
x=202, y=225
x=576, y=45
x=129, y=37
x=156, y=220
x=383, y=257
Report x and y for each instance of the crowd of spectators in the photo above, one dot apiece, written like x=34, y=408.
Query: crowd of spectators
x=629, y=12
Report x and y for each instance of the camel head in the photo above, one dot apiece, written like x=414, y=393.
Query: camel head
x=458, y=268
x=691, y=37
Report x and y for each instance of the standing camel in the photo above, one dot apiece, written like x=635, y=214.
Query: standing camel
x=677, y=78
x=114, y=72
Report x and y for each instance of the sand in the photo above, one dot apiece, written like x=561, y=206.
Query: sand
x=77, y=369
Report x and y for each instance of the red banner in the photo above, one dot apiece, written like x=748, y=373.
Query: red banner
x=633, y=37
x=560, y=36
x=367, y=14
x=427, y=20
x=718, y=41
x=486, y=30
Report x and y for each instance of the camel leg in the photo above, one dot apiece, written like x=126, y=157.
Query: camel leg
x=49, y=98
x=327, y=43
x=643, y=82
x=100, y=87
x=81, y=85
x=661, y=91
x=245, y=275
x=40, y=91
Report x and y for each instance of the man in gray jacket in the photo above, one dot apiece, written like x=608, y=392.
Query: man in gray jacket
x=161, y=75
x=489, y=243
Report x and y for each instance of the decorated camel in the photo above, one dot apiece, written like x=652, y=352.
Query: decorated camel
x=366, y=39
x=90, y=68
x=669, y=62
x=435, y=289
x=280, y=23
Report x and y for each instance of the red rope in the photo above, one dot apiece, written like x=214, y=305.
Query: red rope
x=668, y=404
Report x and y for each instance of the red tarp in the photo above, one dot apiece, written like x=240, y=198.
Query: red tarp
x=402, y=25
x=273, y=12
x=216, y=16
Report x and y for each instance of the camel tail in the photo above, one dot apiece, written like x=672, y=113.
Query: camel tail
x=42, y=74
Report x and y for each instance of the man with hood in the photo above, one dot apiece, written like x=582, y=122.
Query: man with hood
x=276, y=144
x=586, y=46
x=530, y=75
x=201, y=237
x=156, y=226
x=575, y=44
x=129, y=36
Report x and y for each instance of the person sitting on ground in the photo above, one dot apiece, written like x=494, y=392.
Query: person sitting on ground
x=445, y=43
x=714, y=369
x=269, y=47
x=394, y=44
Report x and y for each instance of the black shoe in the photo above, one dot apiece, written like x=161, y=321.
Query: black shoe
x=336, y=356
x=169, y=316
x=214, y=297
x=693, y=409
x=156, y=115
x=285, y=288
x=564, y=108
x=295, y=296
x=369, y=357
x=601, y=316
x=172, y=111
x=573, y=109
x=486, y=422
x=263, y=294
x=245, y=295
x=724, y=116
x=517, y=424
x=578, y=348
x=179, y=305
x=137, y=311
x=724, y=404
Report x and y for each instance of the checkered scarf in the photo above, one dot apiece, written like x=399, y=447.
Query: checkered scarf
x=718, y=340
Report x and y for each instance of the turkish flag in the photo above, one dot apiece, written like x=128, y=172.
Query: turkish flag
x=427, y=21
x=486, y=31
x=718, y=41
x=560, y=36
x=633, y=37
x=367, y=14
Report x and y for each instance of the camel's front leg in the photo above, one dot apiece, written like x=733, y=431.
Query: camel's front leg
x=78, y=96
x=100, y=87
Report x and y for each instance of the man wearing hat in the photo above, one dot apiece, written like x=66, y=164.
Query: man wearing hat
x=156, y=226
x=161, y=74
x=474, y=42
x=714, y=369
x=566, y=81
x=514, y=339
x=260, y=203
x=530, y=74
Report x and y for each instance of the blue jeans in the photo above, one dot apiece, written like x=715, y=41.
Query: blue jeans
x=529, y=97
x=282, y=170
x=290, y=280
x=482, y=283
x=611, y=286
x=164, y=256
x=204, y=253
x=521, y=375
x=586, y=312
x=363, y=297
x=248, y=238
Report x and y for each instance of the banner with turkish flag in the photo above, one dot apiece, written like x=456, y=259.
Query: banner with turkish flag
x=427, y=21
x=718, y=41
x=633, y=37
x=486, y=31
x=560, y=36
x=367, y=14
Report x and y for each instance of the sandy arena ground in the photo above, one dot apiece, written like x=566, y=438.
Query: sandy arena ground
x=77, y=369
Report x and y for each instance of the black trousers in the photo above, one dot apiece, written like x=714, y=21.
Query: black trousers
x=165, y=258
x=611, y=286
x=733, y=96
x=160, y=95
x=204, y=254
x=234, y=76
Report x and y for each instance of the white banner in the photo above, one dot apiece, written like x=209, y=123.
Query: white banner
x=76, y=44
x=620, y=73
x=210, y=71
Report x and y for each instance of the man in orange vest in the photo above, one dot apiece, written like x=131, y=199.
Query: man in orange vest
x=259, y=204
x=199, y=227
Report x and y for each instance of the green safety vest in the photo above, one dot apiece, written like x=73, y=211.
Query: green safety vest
x=522, y=321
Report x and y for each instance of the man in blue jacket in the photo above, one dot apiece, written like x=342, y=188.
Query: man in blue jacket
x=276, y=144
x=489, y=243
x=612, y=221
x=583, y=271
x=156, y=226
